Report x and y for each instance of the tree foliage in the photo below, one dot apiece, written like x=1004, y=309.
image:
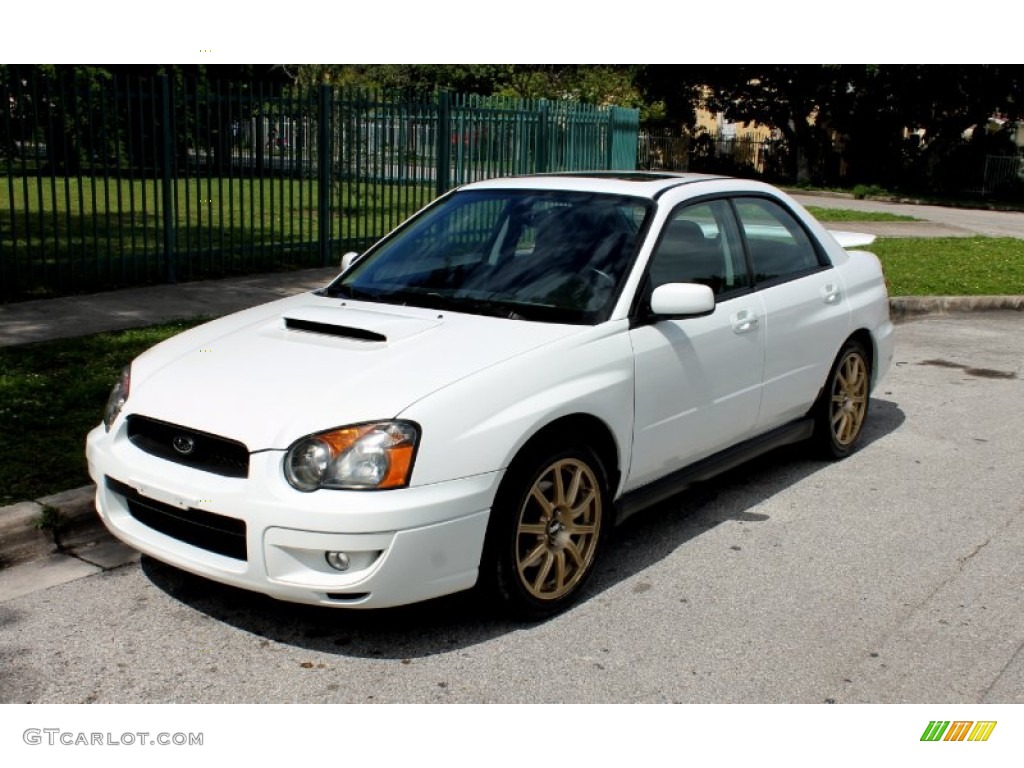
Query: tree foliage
x=886, y=124
x=598, y=84
x=882, y=122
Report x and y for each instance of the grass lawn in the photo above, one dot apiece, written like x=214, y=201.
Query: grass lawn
x=952, y=266
x=845, y=214
x=51, y=395
x=79, y=234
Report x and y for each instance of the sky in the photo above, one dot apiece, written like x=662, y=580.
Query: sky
x=521, y=32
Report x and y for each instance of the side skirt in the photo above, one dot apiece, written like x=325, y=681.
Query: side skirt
x=652, y=493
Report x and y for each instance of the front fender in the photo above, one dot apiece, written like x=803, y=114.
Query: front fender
x=480, y=423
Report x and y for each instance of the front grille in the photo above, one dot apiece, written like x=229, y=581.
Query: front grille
x=206, y=530
x=190, y=447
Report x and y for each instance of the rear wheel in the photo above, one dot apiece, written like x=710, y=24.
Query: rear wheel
x=843, y=407
x=547, y=527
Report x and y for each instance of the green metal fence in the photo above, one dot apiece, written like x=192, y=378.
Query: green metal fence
x=108, y=182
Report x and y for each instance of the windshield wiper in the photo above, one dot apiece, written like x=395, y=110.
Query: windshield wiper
x=432, y=300
x=347, y=291
x=478, y=306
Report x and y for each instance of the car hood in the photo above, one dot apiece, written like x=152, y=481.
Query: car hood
x=272, y=374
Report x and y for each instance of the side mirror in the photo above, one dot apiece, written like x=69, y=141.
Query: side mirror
x=347, y=259
x=682, y=300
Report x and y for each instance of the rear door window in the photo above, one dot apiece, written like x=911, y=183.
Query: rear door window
x=779, y=247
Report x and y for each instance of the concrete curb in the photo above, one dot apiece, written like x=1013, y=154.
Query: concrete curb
x=26, y=536
x=21, y=537
x=909, y=307
x=31, y=530
x=78, y=524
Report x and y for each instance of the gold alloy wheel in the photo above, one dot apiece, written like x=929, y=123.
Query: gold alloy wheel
x=849, y=398
x=558, y=529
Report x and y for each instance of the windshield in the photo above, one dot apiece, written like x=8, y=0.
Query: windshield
x=554, y=256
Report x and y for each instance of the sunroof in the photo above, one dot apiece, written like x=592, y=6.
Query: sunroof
x=625, y=175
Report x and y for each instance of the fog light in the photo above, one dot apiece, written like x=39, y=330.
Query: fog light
x=337, y=560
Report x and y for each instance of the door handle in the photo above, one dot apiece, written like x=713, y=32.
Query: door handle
x=744, y=321
x=830, y=293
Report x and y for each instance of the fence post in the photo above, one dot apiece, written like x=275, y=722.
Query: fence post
x=610, y=154
x=444, y=142
x=325, y=154
x=540, y=159
x=623, y=138
x=167, y=191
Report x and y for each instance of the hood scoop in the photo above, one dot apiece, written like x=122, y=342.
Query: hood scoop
x=328, y=329
x=358, y=324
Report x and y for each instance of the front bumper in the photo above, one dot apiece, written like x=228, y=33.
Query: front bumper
x=404, y=545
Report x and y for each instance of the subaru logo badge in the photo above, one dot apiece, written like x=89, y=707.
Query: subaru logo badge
x=183, y=444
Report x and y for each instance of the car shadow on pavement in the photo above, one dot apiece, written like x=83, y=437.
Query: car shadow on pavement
x=464, y=620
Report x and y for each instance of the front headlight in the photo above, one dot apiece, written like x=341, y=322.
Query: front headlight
x=118, y=397
x=375, y=456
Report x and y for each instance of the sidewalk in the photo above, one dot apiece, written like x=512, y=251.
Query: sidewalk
x=46, y=319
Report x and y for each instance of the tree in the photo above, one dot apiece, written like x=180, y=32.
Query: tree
x=596, y=84
x=906, y=121
x=861, y=114
x=799, y=101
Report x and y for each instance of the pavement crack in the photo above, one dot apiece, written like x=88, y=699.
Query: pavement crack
x=966, y=558
x=1009, y=661
x=914, y=608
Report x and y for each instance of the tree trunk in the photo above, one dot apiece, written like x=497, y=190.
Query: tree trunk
x=803, y=166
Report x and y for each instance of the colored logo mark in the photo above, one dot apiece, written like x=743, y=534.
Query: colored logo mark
x=958, y=730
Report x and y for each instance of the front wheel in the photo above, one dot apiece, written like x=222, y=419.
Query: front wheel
x=843, y=407
x=547, y=527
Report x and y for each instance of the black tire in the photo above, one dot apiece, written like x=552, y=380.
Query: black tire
x=547, y=528
x=842, y=410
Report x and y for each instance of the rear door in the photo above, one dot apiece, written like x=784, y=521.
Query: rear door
x=807, y=315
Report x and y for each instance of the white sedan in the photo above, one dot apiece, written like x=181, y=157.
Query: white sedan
x=482, y=395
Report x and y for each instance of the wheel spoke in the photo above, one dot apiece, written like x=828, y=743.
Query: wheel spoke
x=581, y=530
x=574, y=553
x=559, y=486
x=574, y=487
x=542, y=575
x=533, y=529
x=583, y=505
x=540, y=498
x=534, y=556
x=561, y=574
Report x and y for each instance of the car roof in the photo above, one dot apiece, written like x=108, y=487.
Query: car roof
x=632, y=183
